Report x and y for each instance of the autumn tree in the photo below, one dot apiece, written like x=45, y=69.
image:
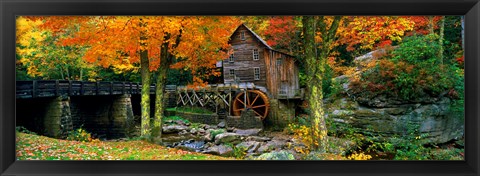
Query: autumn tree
x=152, y=41
x=38, y=53
x=315, y=57
x=283, y=33
x=321, y=36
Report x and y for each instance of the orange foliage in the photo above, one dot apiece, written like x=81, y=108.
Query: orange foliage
x=422, y=24
x=372, y=31
x=111, y=39
x=281, y=31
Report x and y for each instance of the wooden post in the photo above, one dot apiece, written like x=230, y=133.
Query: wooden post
x=81, y=88
x=123, y=87
x=111, y=87
x=97, y=88
x=57, y=87
x=70, y=87
x=34, y=89
x=230, y=100
x=137, y=87
x=131, y=88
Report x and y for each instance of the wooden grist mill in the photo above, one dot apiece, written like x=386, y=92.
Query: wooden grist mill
x=255, y=77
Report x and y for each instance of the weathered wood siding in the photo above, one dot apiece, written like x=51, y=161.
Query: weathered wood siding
x=278, y=77
x=243, y=59
x=282, y=75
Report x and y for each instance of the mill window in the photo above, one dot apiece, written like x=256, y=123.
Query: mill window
x=255, y=54
x=256, y=73
x=231, y=58
x=232, y=73
x=242, y=35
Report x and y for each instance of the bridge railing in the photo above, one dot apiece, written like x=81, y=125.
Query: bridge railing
x=49, y=88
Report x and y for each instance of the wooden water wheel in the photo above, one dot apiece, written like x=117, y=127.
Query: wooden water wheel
x=254, y=100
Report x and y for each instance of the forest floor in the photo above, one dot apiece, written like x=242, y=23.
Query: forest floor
x=35, y=147
x=30, y=146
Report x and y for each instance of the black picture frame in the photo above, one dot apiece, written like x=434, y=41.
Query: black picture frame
x=11, y=8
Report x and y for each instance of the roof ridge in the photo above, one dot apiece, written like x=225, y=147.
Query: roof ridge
x=259, y=38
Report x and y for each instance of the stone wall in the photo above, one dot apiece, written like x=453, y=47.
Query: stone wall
x=50, y=116
x=434, y=120
x=211, y=119
x=247, y=120
x=103, y=116
x=58, y=118
x=282, y=112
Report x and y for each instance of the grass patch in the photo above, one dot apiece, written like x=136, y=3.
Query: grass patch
x=35, y=147
x=196, y=110
x=175, y=118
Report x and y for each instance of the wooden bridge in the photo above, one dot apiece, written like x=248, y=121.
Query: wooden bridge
x=51, y=88
x=58, y=106
x=232, y=97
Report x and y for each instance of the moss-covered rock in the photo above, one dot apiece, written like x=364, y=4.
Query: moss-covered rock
x=280, y=155
x=435, y=121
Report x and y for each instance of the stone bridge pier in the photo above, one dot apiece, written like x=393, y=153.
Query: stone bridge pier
x=106, y=117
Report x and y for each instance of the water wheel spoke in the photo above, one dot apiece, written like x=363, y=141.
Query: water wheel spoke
x=248, y=98
x=257, y=113
x=254, y=100
x=241, y=101
x=259, y=106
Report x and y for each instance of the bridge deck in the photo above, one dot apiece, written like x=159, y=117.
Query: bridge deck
x=50, y=88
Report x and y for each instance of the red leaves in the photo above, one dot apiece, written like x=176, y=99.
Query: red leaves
x=367, y=32
x=281, y=31
x=460, y=60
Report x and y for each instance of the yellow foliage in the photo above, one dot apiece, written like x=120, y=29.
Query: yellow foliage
x=338, y=68
x=27, y=30
x=310, y=138
x=359, y=156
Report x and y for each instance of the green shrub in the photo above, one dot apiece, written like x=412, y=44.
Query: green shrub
x=216, y=132
x=80, y=135
x=22, y=129
x=410, y=146
x=410, y=71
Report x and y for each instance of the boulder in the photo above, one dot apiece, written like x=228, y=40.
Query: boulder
x=248, y=146
x=221, y=150
x=280, y=155
x=272, y=145
x=181, y=122
x=232, y=138
x=258, y=138
x=221, y=124
x=207, y=137
x=247, y=132
x=173, y=129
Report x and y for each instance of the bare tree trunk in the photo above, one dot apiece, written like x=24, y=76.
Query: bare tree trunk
x=145, y=94
x=159, y=92
x=81, y=74
x=314, y=87
x=440, y=40
x=68, y=73
x=61, y=73
x=430, y=24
